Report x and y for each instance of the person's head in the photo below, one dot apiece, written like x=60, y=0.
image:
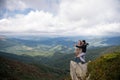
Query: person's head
x=80, y=42
x=84, y=41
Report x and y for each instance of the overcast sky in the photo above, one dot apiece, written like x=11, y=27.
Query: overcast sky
x=60, y=17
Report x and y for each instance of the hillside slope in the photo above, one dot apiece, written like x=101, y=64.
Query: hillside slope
x=107, y=67
x=14, y=70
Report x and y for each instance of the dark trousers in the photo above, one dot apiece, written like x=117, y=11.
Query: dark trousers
x=77, y=59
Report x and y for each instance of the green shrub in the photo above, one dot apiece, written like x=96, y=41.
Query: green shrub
x=107, y=67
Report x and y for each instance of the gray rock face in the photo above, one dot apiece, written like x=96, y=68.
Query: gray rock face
x=78, y=71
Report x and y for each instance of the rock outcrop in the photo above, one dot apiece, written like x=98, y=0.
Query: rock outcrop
x=78, y=71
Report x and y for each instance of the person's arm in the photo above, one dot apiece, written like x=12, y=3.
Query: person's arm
x=79, y=46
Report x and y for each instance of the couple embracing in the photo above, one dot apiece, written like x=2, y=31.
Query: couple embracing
x=80, y=51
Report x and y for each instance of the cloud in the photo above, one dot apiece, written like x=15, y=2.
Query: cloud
x=46, y=5
x=37, y=21
x=73, y=18
x=12, y=5
x=8, y=8
x=15, y=5
x=2, y=3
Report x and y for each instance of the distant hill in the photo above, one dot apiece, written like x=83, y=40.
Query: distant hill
x=36, y=47
x=112, y=41
x=97, y=52
x=15, y=70
x=106, y=67
x=61, y=60
x=103, y=41
x=45, y=41
x=32, y=41
x=21, y=58
x=4, y=43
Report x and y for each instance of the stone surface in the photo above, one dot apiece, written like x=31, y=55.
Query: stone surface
x=78, y=71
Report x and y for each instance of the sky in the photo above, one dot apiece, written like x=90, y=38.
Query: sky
x=60, y=17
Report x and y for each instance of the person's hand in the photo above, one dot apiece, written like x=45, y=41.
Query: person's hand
x=87, y=43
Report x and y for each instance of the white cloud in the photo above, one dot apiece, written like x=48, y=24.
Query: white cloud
x=75, y=17
x=46, y=5
x=15, y=5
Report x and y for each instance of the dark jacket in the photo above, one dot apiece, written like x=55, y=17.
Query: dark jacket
x=83, y=47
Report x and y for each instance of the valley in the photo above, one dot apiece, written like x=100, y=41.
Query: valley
x=53, y=54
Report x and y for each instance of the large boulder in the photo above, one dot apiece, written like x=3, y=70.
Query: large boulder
x=78, y=71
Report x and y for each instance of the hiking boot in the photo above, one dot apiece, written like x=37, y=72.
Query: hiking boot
x=83, y=62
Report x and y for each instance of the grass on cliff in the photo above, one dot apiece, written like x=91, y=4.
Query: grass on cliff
x=107, y=67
